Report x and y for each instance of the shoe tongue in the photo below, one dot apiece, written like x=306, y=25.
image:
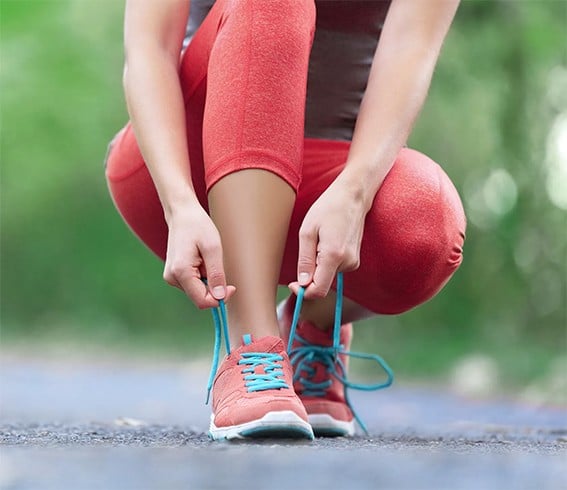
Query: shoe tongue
x=263, y=344
x=314, y=335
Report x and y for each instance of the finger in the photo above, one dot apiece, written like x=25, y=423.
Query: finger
x=197, y=291
x=294, y=287
x=170, y=278
x=306, y=262
x=212, y=257
x=327, y=265
x=230, y=290
x=350, y=265
x=174, y=282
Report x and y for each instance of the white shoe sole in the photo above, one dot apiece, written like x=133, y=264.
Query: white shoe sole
x=284, y=424
x=326, y=426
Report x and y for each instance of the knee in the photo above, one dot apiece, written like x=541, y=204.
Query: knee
x=435, y=260
x=422, y=232
x=438, y=227
x=417, y=266
x=432, y=257
x=419, y=204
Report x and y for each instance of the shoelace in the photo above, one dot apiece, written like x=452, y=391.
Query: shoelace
x=272, y=379
x=302, y=358
x=220, y=321
x=273, y=370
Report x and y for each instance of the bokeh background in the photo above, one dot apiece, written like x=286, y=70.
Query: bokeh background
x=73, y=275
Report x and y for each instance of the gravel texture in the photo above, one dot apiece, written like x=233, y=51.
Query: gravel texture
x=115, y=425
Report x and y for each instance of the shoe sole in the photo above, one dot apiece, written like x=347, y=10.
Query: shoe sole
x=326, y=426
x=281, y=425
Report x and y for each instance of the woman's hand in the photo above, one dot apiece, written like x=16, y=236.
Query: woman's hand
x=194, y=251
x=330, y=238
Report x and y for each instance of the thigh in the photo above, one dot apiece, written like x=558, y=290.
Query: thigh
x=134, y=193
x=413, y=234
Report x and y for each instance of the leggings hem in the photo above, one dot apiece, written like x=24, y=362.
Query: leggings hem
x=254, y=158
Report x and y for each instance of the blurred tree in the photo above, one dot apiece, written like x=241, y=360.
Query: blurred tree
x=493, y=120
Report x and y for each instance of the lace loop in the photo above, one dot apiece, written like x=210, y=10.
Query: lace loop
x=303, y=357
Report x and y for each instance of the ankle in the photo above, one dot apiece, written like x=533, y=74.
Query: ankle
x=320, y=313
x=257, y=329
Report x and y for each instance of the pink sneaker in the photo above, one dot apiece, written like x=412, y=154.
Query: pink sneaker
x=253, y=394
x=322, y=394
x=320, y=364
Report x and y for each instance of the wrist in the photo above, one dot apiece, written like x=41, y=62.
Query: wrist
x=359, y=184
x=178, y=203
x=367, y=175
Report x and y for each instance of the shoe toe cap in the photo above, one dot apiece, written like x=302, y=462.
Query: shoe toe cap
x=251, y=408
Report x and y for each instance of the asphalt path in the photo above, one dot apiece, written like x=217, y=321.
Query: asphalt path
x=106, y=424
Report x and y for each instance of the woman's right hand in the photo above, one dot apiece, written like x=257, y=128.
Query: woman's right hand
x=194, y=251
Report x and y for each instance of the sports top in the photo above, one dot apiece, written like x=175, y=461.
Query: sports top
x=346, y=36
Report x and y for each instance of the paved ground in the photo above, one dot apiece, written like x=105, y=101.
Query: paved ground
x=108, y=425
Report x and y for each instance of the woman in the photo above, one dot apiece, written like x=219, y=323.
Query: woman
x=271, y=152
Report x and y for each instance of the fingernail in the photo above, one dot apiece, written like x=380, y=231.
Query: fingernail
x=218, y=292
x=303, y=277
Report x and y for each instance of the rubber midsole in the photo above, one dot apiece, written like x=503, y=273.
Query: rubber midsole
x=285, y=422
x=325, y=423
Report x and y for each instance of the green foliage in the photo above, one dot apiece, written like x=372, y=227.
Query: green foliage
x=70, y=267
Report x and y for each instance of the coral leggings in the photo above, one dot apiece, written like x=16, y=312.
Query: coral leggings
x=244, y=78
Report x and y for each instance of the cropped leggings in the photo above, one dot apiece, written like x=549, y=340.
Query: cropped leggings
x=244, y=79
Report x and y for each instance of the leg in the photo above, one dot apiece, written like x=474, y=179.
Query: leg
x=254, y=121
x=252, y=139
x=253, y=246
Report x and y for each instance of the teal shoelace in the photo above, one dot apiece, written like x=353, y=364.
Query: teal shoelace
x=306, y=355
x=271, y=380
x=273, y=370
x=220, y=322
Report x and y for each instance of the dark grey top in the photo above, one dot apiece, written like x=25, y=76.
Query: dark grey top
x=347, y=32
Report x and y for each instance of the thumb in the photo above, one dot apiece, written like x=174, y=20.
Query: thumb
x=216, y=281
x=307, y=256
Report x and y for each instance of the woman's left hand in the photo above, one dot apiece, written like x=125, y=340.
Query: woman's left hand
x=330, y=238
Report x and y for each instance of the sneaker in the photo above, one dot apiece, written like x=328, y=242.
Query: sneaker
x=253, y=394
x=322, y=393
